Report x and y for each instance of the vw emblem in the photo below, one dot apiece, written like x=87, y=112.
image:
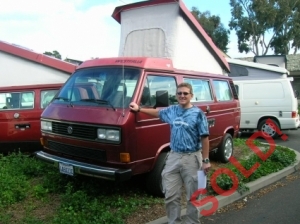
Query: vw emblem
x=70, y=130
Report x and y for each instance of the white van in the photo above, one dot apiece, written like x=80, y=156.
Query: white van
x=265, y=92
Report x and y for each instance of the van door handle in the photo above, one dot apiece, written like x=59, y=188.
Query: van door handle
x=22, y=126
x=207, y=109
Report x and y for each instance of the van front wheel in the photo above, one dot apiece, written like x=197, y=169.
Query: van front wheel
x=225, y=150
x=269, y=129
x=154, y=179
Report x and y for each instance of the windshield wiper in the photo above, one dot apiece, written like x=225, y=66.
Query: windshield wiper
x=99, y=102
x=61, y=98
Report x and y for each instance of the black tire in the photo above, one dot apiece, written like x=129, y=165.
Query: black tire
x=269, y=130
x=154, y=179
x=225, y=150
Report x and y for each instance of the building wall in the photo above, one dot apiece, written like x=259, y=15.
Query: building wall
x=18, y=71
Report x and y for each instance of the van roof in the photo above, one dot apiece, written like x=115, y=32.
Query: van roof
x=139, y=62
x=154, y=64
x=30, y=55
x=184, y=11
x=258, y=65
x=30, y=87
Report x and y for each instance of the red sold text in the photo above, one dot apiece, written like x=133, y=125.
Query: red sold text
x=213, y=180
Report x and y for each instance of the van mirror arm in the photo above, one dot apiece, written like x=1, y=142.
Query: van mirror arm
x=207, y=109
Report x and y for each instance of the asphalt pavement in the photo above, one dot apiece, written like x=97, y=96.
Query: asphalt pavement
x=278, y=203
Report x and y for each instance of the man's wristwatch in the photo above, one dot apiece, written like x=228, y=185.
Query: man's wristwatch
x=205, y=160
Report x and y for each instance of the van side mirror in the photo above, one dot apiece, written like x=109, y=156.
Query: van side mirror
x=162, y=98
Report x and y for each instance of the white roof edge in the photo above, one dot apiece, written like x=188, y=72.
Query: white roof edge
x=263, y=79
x=257, y=65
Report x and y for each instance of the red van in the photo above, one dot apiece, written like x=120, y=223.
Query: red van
x=88, y=128
x=29, y=80
x=20, y=111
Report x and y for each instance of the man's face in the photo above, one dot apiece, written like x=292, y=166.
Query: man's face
x=184, y=96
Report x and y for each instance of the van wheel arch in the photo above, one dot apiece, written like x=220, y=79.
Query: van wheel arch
x=154, y=178
x=225, y=149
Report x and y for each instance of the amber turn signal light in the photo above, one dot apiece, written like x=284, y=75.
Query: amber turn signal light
x=125, y=157
x=42, y=141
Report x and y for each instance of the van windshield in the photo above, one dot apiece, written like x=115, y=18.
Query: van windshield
x=112, y=87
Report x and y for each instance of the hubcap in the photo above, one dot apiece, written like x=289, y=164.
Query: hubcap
x=269, y=130
x=228, y=149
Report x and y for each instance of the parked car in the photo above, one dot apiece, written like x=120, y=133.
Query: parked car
x=29, y=80
x=20, y=111
x=265, y=94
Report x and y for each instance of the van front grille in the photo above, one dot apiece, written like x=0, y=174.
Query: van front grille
x=76, y=151
x=74, y=130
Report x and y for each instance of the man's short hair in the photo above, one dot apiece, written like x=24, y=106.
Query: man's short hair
x=187, y=85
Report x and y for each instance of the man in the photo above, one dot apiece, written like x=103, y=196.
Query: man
x=189, y=137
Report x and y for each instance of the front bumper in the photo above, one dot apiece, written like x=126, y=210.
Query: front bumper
x=87, y=169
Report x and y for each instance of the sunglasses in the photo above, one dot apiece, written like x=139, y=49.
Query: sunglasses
x=182, y=93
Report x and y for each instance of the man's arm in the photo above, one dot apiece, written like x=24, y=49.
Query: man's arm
x=205, y=153
x=150, y=111
x=205, y=147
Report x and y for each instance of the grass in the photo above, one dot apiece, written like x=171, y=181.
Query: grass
x=281, y=157
x=28, y=186
x=33, y=192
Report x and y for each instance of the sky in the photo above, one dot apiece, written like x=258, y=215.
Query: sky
x=81, y=29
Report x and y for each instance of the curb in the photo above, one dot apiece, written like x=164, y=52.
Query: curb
x=253, y=186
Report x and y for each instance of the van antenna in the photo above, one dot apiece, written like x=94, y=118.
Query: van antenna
x=123, y=77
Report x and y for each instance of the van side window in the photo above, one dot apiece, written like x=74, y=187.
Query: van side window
x=156, y=83
x=13, y=100
x=47, y=96
x=27, y=100
x=222, y=90
x=201, y=89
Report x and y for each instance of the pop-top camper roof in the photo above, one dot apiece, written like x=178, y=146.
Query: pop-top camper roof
x=167, y=29
x=22, y=66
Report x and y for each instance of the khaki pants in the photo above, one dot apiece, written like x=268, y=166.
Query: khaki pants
x=181, y=168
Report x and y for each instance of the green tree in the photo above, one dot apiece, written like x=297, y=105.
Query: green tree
x=262, y=25
x=54, y=54
x=213, y=27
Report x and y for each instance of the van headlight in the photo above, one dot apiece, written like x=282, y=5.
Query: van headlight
x=108, y=134
x=46, y=126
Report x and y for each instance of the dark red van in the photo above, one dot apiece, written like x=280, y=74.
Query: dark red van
x=20, y=111
x=88, y=128
x=29, y=81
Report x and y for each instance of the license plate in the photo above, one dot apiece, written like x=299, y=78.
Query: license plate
x=66, y=169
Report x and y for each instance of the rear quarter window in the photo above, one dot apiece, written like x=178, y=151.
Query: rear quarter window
x=47, y=96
